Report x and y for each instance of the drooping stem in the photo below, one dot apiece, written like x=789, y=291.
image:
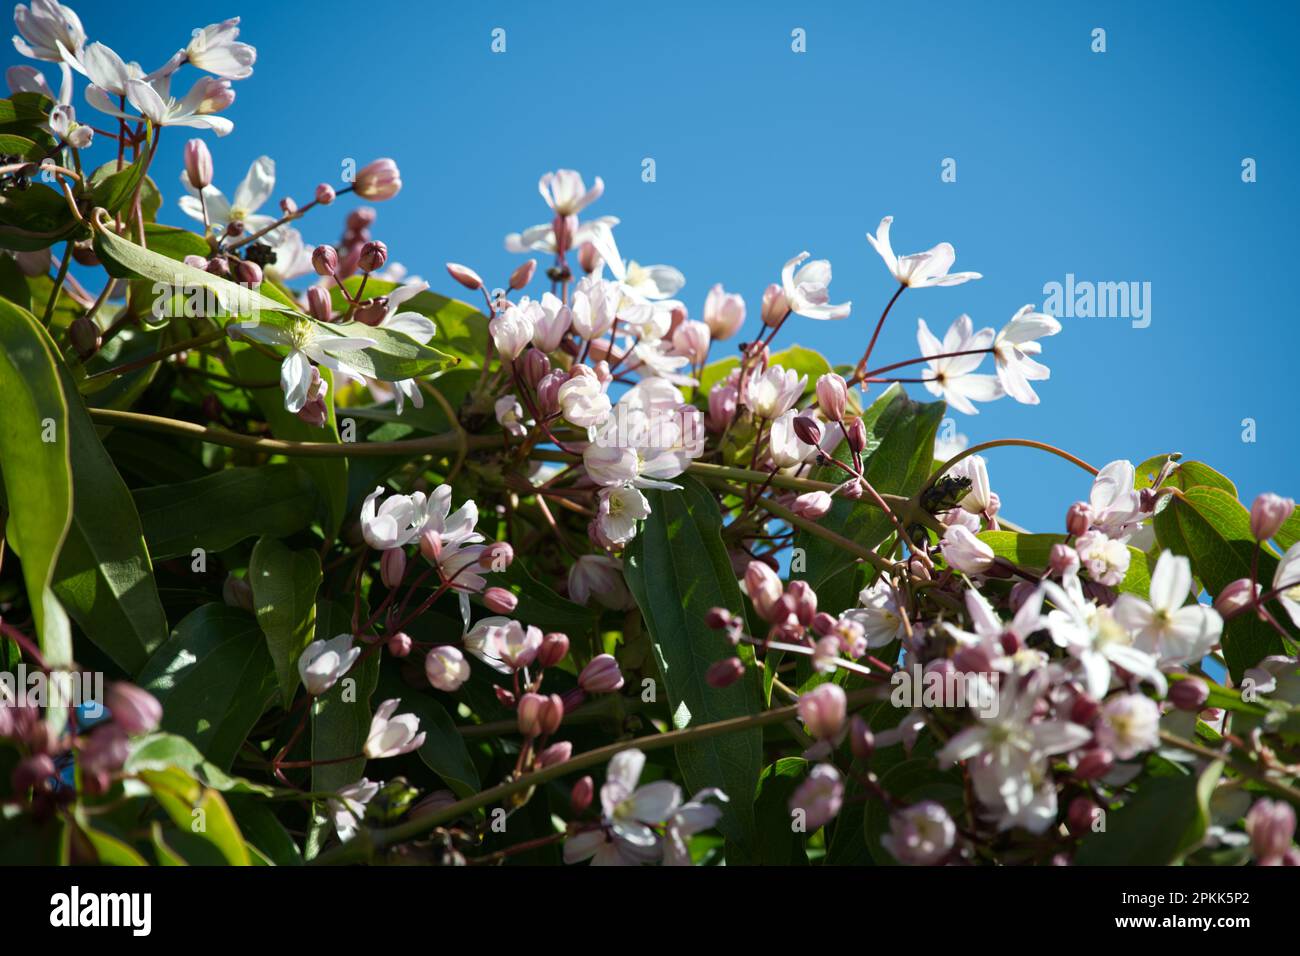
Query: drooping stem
x=859, y=370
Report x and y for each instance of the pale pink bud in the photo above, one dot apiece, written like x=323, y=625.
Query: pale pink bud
x=324, y=194
x=1268, y=514
x=1271, y=825
x=198, y=164
x=857, y=435
x=32, y=772
x=134, y=709
x=288, y=206
x=691, y=339
x=832, y=396
x=555, y=753
x=249, y=273
x=724, y=312
x=1235, y=597
x=194, y=262
x=373, y=256
x=497, y=556
x=725, y=672
x=399, y=644
x=378, y=180
x=529, y=714
x=601, y=676
x=822, y=711
x=805, y=601
x=722, y=407
x=588, y=258
x=392, y=567
x=1062, y=559
x=1190, y=693
x=552, y=714
x=465, y=276
x=555, y=648
x=1078, y=518
x=521, y=276
x=812, y=505
x=325, y=260
x=965, y=552
x=535, y=365
x=861, y=740
x=581, y=795
x=446, y=668
x=548, y=391
x=763, y=587
x=318, y=304
x=775, y=306
x=500, y=601
x=431, y=545
x=1094, y=764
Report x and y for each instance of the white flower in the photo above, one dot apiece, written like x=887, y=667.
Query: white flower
x=1130, y=724
x=807, y=292
x=153, y=99
x=566, y=193
x=595, y=306
x=48, y=31
x=1116, y=506
x=618, y=511
x=583, y=401
x=879, y=615
x=541, y=238
x=481, y=641
x=686, y=821
x=965, y=552
x=551, y=323
x=787, y=448
x=446, y=668
x=599, y=576
x=629, y=815
x=348, y=808
x=510, y=415
x=989, y=630
x=511, y=331
x=250, y=194
x=322, y=663
x=920, y=269
x=1012, y=348
x=637, y=282
x=392, y=736
x=1176, y=634
x=920, y=835
x=395, y=523
x=1096, y=639
x=773, y=392
x=1105, y=559
x=1287, y=578
x=979, y=497
x=216, y=50
x=951, y=378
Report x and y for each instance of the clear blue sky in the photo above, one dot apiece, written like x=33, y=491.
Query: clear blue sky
x=1121, y=166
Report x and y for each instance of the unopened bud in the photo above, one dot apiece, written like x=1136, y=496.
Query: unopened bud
x=812, y=505
x=1268, y=514
x=857, y=435
x=497, y=556
x=500, y=601
x=84, y=335
x=249, y=273
x=529, y=714
x=534, y=367
x=1083, y=810
x=373, y=256
x=581, y=795
x=775, y=306
x=1094, y=764
x=551, y=715
x=725, y=672
x=399, y=644
x=465, y=276
x=1235, y=597
x=555, y=648
x=1190, y=693
x=198, y=164
x=522, y=275
x=318, y=304
x=392, y=567
x=832, y=396
x=324, y=194
x=288, y=206
x=236, y=592
x=808, y=429
x=861, y=741
x=717, y=618
x=555, y=753
x=1078, y=518
x=1062, y=559
x=372, y=312
x=325, y=260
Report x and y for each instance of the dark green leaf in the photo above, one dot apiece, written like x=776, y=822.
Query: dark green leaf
x=284, y=584
x=1164, y=820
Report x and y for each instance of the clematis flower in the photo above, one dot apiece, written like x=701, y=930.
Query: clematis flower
x=250, y=194
x=307, y=342
x=216, y=49
x=392, y=736
x=819, y=797
x=1012, y=348
x=1287, y=579
x=510, y=415
x=994, y=636
x=541, y=238
x=601, y=577
x=724, y=312
x=47, y=30
x=446, y=668
x=595, y=306
x=638, y=283
x=807, y=292
x=1163, y=626
x=511, y=331
x=566, y=193
x=787, y=448
x=951, y=378
x=687, y=820
x=618, y=510
x=1116, y=506
x=1130, y=725
x=965, y=552
x=583, y=400
x=395, y=523
x=551, y=323
x=920, y=835
x=921, y=269
x=978, y=499
x=1105, y=559
x=348, y=808
x=773, y=392
x=322, y=663
x=629, y=816
x=879, y=615
x=153, y=99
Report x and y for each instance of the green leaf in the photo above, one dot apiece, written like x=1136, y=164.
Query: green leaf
x=393, y=357
x=113, y=188
x=340, y=717
x=104, y=576
x=542, y=607
x=214, y=678
x=160, y=751
x=35, y=218
x=329, y=474
x=899, y=455
x=1183, y=475
x=1212, y=528
x=175, y=243
x=778, y=843
x=35, y=460
x=677, y=568
x=444, y=750
x=1033, y=551
x=263, y=831
x=284, y=584
x=461, y=329
x=1162, y=822
x=198, y=810
x=222, y=509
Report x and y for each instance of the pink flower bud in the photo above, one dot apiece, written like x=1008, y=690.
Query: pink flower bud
x=581, y=795
x=717, y=618
x=1083, y=810
x=500, y=601
x=1078, y=518
x=504, y=696
x=832, y=396
x=1094, y=764
x=1190, y=693
x=318, y=304
x=325, y=260
x=555, y=753
x=399, y=644
x=465, y=276
x=1084, y=710
x=392, y=567
x=529, y=714
x=601, y=676
x=372, y=312
x=808, y=429
x=446, y=668
x=373, y=256
x=763, y=587
x=84, y=335
x=1062, y=559
x=431, y=545
x=724, y=313
x=1268, y=514
x=1271, y=825
x=522, y=275
x=134, y=710
x=198, y=164
x=851, y=489
x=249, y=273
x=775, y=306
x=548, y=391
x=196, y=262
x=32, y=772
x=725, y=672
x=552, y=714
x=497, y=556
x=287, y=206
x=378, y=180
x=822, y=711
x=812, y=505
x=324, y=194
x=555, y=648
x=857, y=435
x=217, y=266
x=805, y=600
x=861, y=740
x=588, y=258
x=535, y=367
x=1235, y=597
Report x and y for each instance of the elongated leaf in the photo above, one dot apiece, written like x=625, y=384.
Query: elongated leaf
x=284, y=584
x=214, y=678
x=677, y=568
x=200, y=811
x=104, y=576
x=1033, y=551
x=778, y=842
x=35, y=460
x=113, y=188
x=224, y=508
x=542, y=607
x=1212, y=528
x=161, y=751
x=444, y=750
x=899, y=455
x=1163, y=821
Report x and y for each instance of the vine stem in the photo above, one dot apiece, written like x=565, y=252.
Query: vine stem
x=1000, y=443
x=360, y=848
x=1209, y=753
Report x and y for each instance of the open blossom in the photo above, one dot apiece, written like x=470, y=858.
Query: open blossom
x=47, y=30
x=772, y=392
x=784, y=445
x=511, y=332
x=978, y=499
x=953, y=377
x=510, y=416
x=819, y=797
x=595, y=306
x=1163, y=626
x=964, y=551
x=583, y=400
x=566, y=193
x=1012, y=350
x=216, y=49
x=920, y=835
x=601, y=577
x=630, y=816
x=639, y=284
x=153, y=98
x=1116, y=508
x=392, y=736
x=920, y=269
x=322, y=663
x=397, y=522
x=879, y=615
x=250, y=195
x=446, y=668
x=542, y=238
x=348, y=808
x=1130, y=725
x=551, y=322
x=1106, y=560
x=692, y=817
x=618, y=511
x=1287, y=580
x=807, y=292
x=307, y=342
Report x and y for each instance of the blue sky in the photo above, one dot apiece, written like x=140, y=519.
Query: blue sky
x=1115, y=167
